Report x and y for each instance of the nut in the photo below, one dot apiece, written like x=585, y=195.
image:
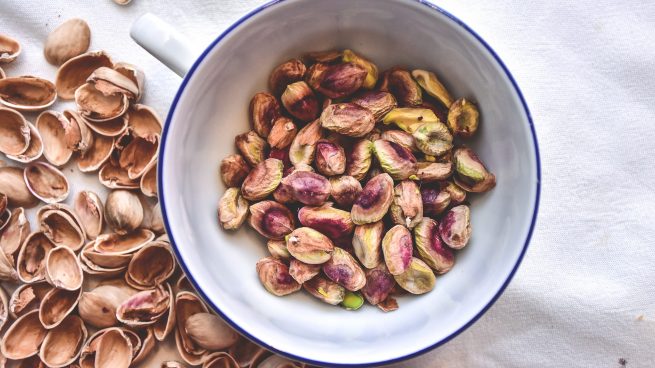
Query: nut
x=407, y=206
x=371, y=78
x=303, y=145
x=374, y=201
x=309, y=246
x=457, y=194
x=380, y=103
x=330, y=158
x=470, y=173
x=401, y=137
x=286, y=73
x=352, y=301
x=366, y=243
x=303, y=272
x=435, y=201
x=68, y=40
x=282, y=155
x=233, y=170
x=338, y=80
x=345, y=190
x=455, y=227
x=348, y=119
x=404, y=88
x=430, y=247
x=396, y=160
x=264, y=110
x=379, y=284
x=397, y=249
x=307, y=187
x=433, y=171
x=271, y=219
x=232, y=209
x=275, y=277
x=430, y=83
x=358, y=162
x=252, y=147
x=334, y=223
x=329, y=56
x=418, y=278
x=433, y=139
x=300, y=101
x=262, y=180
x=326, y=290
x=409, y=119
x=463, y=118
x=278, y=249
x=282, y=133
x=343, y=269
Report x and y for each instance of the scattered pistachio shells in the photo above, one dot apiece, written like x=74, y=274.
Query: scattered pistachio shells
x=115, y=177
x=23, y=338
x=68, y=40
x=111, y=82
x=46, y=182
x=118, y=244
x=34, y=150
x=27, y=93
x=9, y=49
x=14, y=132
x=63, y=344
x=114, y=350
x=74, y=72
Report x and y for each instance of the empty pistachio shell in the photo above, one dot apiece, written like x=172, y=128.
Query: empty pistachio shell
x=115, y=177
x=366, y=243
x=455, y=227
x=34, y=150
x=186, y=305
x=371, y=69
x=407, y=206
x=430, y=247
x=57, y=133
x=144, y=121
x=435, y=200
x=344, y=190
x=262, y=179
x=348, y=119
x=56, y=305
x=123, y=211
x=300, y=101
x=332, y=222
x=74, y=72
x=90, y=210
x=2, y=74
x=338, y=80
x=379, y=284
x=9, y=49
x=30, y=263
x=14, y=132
x=463, y=118
x=252, y=147
x=358, y=161
x=145, y=307
x=302, y=272
x=114, y=349
x=271, y=219
x=61, y=225
x=63, y=344
x=233, y=170
x=400, y=137
x=97, y=306
x=396, y=160
x=397, y=249
x=110, y=82
x=409, y=119
x=330, y=158
x=278, y=249
x=138, y=155
x=275, y=277
x=325, y=289
x=210, y=332
x=4, y=307
x=27, y=298
x=94, y=105
x=286, y=73
x=23, y=338
x=264, y=110
x=150, y=266
x=343, y=269
x=307, y=187
x=457, y=194
x=282, y=133
x=309, y=246
x=63, y=269
x=430, y=84
x=232, y=209
x=97, y=154
x=374, y=201
x=110, y=128
x=433, y=171
x=135, y=73
x=433, y=138
x=14, y=234
x=303, y=145
x=27, y=93
x=418, y=278
x=119, y=244
x=471, y=174
x=46, y=182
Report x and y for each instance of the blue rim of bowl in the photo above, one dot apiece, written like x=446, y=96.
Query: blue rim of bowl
x=309, y=360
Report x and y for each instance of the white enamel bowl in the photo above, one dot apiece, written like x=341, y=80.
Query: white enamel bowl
x=211, y=108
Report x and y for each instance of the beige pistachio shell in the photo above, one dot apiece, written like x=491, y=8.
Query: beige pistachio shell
x=34, y=150
x=220, y=359
x=186, y=305
x=97, y=154
x=123, y=244
x=4, y=307
x=210, y=332
x=27, y=298
x=9, y=49
x=63, y=269
x=14, y=132
x=14, y=234
x=23, y=338
x=46, y=182
x=30, y=264
x=56, y=132
x=2, y=74
x=138, y=155
x=68, y=40
x=152, y=265
x=90, y=211
x=166, y=324
x=112, y=82
x=12, y=183
x=123, y=211
x=276, y=361
x=145, y=307
x=248, y=354
x=73, y=73
x=152, y=217
x=110, y=128
x=27, y=93
x=148, y=182
x=63, y=344
x=144, y=121
x=62, y=228
x=32, y=362
x=7, y=269
x=97, y=307
x=115, y=177
x=56, y=305
x=133, y=72
x=94, y=105
x=183, y=283
x=114, y=350
x=103, y=259
x=148, y=342
x=74, y=142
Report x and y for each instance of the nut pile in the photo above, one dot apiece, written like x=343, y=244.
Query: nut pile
x=96, y=284
x=357, y=180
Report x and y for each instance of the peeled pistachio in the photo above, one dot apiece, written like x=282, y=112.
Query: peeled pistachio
x=303, y=145
x=397, y=249
x=27, y=93
x=278, y=249
x=232, y=209
x=429, y=82
x=418, y=278
x=358, y=161
x=300, y=101
x=374, y=201
x=457, y=194
x=348, y=119
x=302, y=272
x=275, y=277
x=252, y=147
x=332, y=222
x=337, y=80
x=433, y=171
x=307, y=187
x=9, y=49
x=400, y=137
x=123, y=211
x=233, y=170
x=309, y=246
x=471, y=174
x=379, y=284
x=371, y=69
x=343, y=269
x=262, y=179
x=435, y=200
x=404, y=88
x=407, y=206
x=14, y=234
x=264, y=110
x=328, y=56
x=433, y=138
x=396, y=160
x=455, y=227
x=74, y=72
x=282, y=133
x=286, y=73
x=410, y=118
x=271, y=219
x=344, y=190
x=463, y=118
x=330, y=158
x=430, y=247
x=326, y=290
x=366, y=243
x=352, y=300
x=210, y=332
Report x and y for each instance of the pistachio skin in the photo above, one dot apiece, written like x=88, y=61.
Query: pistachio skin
x=435, y=200
x=332, y=222
x=404, y=88
x=429, y=172
x=232, y=209
x=282, y=133
x=396, y=160
x=358, y=161
x=463, y=118
x=309, y=246
x=275, y=277
x=307, y=187
x=330, y=158
x=303, y=145
x=252, y=147
x=343, y=269
x=407, y=206
x=262, y=180
x=264, y=110
x=271, y=219
x=234, y=170
x=455, y=227
x=325, y=290
x=337, y=80
x=470, y=172
x=344, y=190
x=430, y=247
x=348, y=119
x=379, y=284
x=300, y=101
x=366, y=243
x=431, y=84
x=418, y=278
x=288, y=72
x=371, y=78
x=397, y=249
x=380, y=103
x=374, y=201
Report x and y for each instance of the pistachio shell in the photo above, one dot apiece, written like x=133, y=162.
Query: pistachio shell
x=9, y=49
x=418, y=278
x=63, y=344
x=148, y=182
x=112, y=82
x=397, y=249
x=97, y=307
x=56, y=131
x=111, y=128
x=123, y=211
x=343, y=269
x=430, y=247
x=62, y=228
x=410, y=118
x=186, y=305
x=220, y=359
x=150, y=266
x=63, y=269
x=30, y=263
x=2, y=74
x=407, y=206
x=56, y=305
x=114, y=350
x=103, y=264
x=34, y=150
x=247, y=354
x=74, y=72
x=303, y=145
x=117, y=244
x=12, y=183
x=366, y=243
x=94, y=105
x=271, y=219
x=23, y=338
x=97, y=154
x=27, y=93
x=14, y=234
x=4, y=307
x=138, y=155
x=90, y=210
x=46, y=182
x=232, y=209
x=309, y=246
x=115, y=177
x=69, y=39
x=27, y=298
x=14, y=132
x=145, y=307
x=210, y=332
x=431, y=84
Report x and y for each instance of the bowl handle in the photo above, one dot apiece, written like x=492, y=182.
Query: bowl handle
x=164, y=43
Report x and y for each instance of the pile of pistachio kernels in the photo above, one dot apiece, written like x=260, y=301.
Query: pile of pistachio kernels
x=357, y=180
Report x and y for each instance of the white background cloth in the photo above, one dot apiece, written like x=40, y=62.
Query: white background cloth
x=584, y=295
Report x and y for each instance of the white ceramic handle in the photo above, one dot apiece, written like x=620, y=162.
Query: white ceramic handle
x=165, y=43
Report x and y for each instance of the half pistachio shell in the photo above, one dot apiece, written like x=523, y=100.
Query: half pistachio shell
x=111, y=82
x=94, y=105
x=27, y=93
x=248, y=354
x=133, y=72
x=90, y=210
x=14, y=132
x=97, y=307
x=63, y=344
x=4, y=307
x=63, y=269
x=138, y=155
x=152, y=265
x=117, y=244
x=148, y=182
x=14, y=234
x=34, y=150
x=110, y=128
x=23, y=338
x=114, y=350
x=27, y=298
x=56, y=305
x=145, y=307
x=56, y=131
x=73, y=73
x=186, y=305
x=96, y=155
x=46, y=182
x=30, y=264
x=9, y=49
x=115, y=177
x=62, y=227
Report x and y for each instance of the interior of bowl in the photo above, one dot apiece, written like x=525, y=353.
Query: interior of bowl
x=212, y=107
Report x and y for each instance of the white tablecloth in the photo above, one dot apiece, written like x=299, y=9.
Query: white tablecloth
x=584, y=295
